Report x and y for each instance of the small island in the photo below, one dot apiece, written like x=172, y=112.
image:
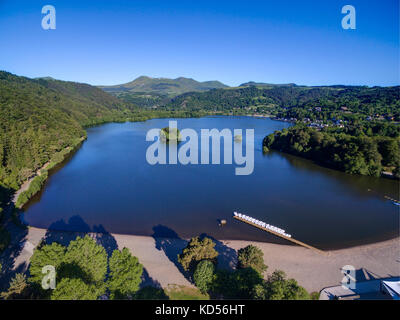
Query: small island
x=170, y=134
x=238, y=138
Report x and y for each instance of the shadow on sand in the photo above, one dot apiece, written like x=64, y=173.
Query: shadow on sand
x=64, y=232
x=17, y=232
x=168, y=241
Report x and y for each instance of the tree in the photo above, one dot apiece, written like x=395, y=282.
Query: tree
x=236, y=284
x=85, y=254
x=389, y=148
x=52, y=254
x=125, y=274
x=74, y=289
x=278, y=288
x=19, y=288
x=251, y=257
x=196, y=251
x=269, y=140
x=203, y=275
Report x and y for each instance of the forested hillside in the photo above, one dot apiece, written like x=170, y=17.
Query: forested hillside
x=340, y=102
x=344, y=150
x=40, y=117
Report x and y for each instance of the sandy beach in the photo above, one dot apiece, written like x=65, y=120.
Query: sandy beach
x=312, y=270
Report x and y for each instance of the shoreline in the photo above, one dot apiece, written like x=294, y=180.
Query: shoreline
x=311, y=270
x=45, y=168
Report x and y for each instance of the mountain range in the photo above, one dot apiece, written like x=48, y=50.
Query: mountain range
x=164, y=86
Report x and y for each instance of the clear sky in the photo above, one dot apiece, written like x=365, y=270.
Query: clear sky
x=113, y=42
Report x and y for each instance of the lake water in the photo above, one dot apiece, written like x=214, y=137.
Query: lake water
x=107, y=185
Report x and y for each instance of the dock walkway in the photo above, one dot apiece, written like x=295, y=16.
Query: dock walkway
x=280, y=235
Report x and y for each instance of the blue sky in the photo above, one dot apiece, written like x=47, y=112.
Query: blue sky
x=112, y=42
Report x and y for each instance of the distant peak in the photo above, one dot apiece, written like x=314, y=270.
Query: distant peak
x=44, y=78
x=143, y=78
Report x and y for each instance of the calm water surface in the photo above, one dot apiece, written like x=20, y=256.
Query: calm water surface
x=108, y=185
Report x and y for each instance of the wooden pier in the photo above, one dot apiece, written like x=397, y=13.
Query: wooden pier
x=391, y=199
x=281, y=235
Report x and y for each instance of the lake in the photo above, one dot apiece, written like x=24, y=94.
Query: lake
x=107, y=185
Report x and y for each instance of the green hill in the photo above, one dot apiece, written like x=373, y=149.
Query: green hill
x=40, y=117
x=164, y=86
x=266, y=85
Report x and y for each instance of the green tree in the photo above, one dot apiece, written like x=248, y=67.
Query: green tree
x=197, y=250
x=390, y=150
x=278, y=288
x=125, y=274
x=85, y=257
x=251, y=257
x=19, y=288
x=269, y=140
x=203, y=275
x=74, y=289
x=260, y=292
x=52, y=254
x=314, y=295
x=236, y=284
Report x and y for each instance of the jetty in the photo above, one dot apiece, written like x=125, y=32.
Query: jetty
x=395, y=201
x=273, y=230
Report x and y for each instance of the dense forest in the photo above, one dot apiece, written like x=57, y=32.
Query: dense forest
x=42, y=117
x=324, y=103
x=143, y=99
x=341, y=149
